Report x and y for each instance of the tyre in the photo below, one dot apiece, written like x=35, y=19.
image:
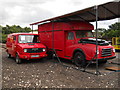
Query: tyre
x=79, y=59
x=50, y=55
x=17, y=59
x=8, y=55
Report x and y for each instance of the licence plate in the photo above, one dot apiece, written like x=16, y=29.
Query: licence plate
x=34, y=55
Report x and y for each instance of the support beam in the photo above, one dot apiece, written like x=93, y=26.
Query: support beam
x=81, y=18
x=93, y=14
x=32, y=28
x=97, y=68
x=109, y=11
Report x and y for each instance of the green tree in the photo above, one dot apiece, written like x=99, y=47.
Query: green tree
x=115, y=26
x=113, y=31
x=101, y=31
x=4, y=36
x=12, y=29
x=0, y=33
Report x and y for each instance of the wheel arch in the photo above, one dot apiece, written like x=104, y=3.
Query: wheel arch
x=7, y=50
x=78, y=50
x=17, y=53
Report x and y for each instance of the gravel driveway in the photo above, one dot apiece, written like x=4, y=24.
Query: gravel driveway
x=46, y=73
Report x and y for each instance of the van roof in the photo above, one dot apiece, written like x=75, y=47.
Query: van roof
x=23, y=34
x=70, y=25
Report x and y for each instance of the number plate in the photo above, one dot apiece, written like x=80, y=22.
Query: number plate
x=34, y=55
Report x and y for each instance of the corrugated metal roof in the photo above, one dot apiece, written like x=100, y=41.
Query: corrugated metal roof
x=106, y=11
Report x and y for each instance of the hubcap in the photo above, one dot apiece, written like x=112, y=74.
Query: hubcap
x=8, y=55
x=79, y=60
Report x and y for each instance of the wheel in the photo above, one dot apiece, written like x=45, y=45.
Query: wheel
x=8, y=55
x=50, y=55
x=17, y=59
x=79, y=59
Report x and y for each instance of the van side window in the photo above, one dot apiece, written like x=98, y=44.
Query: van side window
x=70, y=36
x=14, y=38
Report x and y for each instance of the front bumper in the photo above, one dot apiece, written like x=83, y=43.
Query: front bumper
x=36, y=56
x=103, y=59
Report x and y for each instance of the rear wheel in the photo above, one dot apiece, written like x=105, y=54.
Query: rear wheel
x=79, y=59
x=17, y=59
x=8, y=55
x=50, y=54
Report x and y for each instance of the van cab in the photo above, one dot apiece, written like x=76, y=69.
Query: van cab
x=24, y=46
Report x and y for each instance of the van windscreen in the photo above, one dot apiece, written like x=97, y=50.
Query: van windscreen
x=86, y=33
x=28, y=39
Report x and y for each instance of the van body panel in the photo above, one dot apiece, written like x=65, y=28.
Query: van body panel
x=68, y=37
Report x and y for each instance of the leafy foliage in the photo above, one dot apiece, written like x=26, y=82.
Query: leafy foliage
x=113, y=31
x=12, y=29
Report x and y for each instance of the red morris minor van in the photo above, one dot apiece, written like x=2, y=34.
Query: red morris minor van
x=25, y=46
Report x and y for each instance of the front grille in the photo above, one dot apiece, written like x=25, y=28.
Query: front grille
x=106, y=52
x=34, y=50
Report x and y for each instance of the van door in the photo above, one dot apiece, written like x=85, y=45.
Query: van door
x=70, y=41
x=13, y=45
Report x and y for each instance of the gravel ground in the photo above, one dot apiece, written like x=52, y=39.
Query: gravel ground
x=46, y=73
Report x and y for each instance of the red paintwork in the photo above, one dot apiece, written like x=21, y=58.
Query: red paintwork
x=13, y=47
x=66, y=26
x=65, y=48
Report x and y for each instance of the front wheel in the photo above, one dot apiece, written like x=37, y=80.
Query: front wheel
x=79, y=59
x=8, y=55
x=17, y=59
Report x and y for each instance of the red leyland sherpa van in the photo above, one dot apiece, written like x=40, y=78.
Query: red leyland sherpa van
x=25, y=46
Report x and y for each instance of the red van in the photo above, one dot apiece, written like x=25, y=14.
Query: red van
x=74, y=40
x=25, y=46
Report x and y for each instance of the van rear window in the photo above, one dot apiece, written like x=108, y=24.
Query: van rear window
x=28, y=39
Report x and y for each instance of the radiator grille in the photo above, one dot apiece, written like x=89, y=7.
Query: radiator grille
x=106, y=52
x=34, y=50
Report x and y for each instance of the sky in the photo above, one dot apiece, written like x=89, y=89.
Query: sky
x=25, y=12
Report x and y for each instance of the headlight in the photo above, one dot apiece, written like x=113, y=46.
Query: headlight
x=113, y=50
x=44, y=50
x=25, y=50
